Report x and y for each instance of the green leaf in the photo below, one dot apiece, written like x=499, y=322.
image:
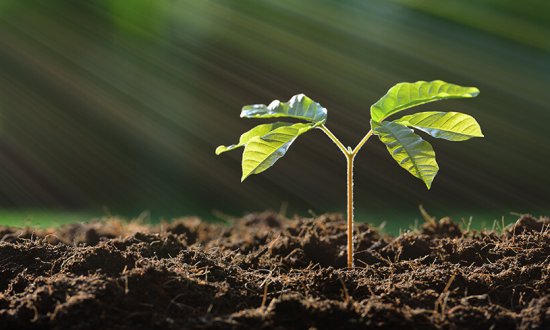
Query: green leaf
x=452, y=126
x=409, y=150
x=261, y=152
x=406, y=95
x=259, y=130
x=299, y=107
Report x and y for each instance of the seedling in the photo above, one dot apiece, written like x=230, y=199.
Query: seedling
x=266, y=143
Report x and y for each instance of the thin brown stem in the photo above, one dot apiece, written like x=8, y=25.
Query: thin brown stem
x=350, y=159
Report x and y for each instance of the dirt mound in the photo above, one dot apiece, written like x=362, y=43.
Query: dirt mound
x=264, y=271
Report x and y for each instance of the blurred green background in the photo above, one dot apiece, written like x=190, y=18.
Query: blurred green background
x=115, y=107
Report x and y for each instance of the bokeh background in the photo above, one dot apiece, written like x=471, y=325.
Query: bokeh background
x=116, y=107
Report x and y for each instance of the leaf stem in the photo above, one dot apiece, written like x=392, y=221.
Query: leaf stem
x=361, y=143
x=334, y=139
x=347, y=151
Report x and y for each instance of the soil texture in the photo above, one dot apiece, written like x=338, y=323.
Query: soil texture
x=268, y=272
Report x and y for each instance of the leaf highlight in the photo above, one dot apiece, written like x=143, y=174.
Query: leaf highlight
x=298, y=107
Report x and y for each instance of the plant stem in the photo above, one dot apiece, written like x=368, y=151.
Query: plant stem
x=350, y=157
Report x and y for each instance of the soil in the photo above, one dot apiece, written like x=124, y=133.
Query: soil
x=267, y=272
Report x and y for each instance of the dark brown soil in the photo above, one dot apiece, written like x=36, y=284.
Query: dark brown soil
x=267, y=272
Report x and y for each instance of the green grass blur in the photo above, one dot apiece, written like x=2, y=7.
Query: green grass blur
x=107, y=105
x=40, y=218
x=389, y=222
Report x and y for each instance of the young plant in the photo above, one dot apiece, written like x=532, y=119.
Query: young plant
x=265, y=144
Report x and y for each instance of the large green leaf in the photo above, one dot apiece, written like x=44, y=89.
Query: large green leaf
x=452, y=126
x=261, y=152
x=409, y=150
x=405, y=95
x=299, y=107
x=259, y=130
